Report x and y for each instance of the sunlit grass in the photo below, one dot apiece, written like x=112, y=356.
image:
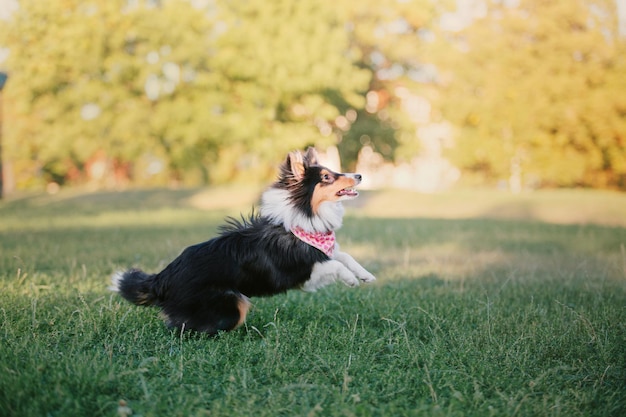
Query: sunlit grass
x=555, y=206
x=485, y=315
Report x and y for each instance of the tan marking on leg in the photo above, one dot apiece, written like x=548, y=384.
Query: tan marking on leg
x=243, y=305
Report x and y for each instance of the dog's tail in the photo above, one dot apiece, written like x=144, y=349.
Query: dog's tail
x=134, y=285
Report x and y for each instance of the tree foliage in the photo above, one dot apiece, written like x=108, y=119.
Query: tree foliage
x=537, y=90
x=173, y=81
x=205, y=90
x=391, y=40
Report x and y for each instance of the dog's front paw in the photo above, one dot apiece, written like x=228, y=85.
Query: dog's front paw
x=365, y=276
x=349, y=279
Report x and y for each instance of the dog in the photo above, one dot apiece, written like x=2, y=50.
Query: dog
x=288, y=244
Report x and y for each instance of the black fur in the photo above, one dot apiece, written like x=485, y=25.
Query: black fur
x=203, y=287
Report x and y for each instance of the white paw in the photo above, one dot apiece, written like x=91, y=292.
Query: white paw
x=367, y=277
x=310, y=286
x=350, y=280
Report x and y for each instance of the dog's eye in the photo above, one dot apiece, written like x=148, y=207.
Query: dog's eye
x=327, y=178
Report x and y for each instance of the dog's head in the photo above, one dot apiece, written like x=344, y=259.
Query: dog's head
x=310, y=193
x=311, y=184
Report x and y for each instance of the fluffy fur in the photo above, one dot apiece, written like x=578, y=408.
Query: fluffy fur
x=206, y=288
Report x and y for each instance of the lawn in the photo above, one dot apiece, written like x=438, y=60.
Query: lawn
x=485, y=304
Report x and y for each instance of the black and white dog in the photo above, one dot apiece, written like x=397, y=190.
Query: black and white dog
x=289, y=244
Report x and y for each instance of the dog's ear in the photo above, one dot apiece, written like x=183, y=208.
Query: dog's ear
x=295, y=163
x=310, y=156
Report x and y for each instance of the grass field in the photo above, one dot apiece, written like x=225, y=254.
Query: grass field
x=485, y=304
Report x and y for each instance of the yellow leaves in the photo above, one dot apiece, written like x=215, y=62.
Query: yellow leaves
x=473, y=119
x=549, y=73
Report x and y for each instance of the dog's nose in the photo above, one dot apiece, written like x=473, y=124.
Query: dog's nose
x=358, y=177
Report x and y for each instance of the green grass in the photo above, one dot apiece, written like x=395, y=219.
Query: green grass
x=482, y=307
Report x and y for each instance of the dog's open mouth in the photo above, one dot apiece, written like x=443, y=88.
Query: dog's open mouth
x=347, y=192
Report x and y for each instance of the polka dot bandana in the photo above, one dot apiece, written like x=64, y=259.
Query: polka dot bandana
x=319, y=240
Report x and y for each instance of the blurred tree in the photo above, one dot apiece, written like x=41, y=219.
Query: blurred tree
x=393, y=41
x=187, y=83
x=93, y=77
x=197, y=90
x=537, y=88
x=289, y=72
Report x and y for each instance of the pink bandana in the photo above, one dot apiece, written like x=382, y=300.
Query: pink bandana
x=322, y=241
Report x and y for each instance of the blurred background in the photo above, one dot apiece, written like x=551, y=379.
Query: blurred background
x=413, y=94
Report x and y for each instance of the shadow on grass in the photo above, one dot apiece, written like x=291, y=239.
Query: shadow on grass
x=81, y=202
